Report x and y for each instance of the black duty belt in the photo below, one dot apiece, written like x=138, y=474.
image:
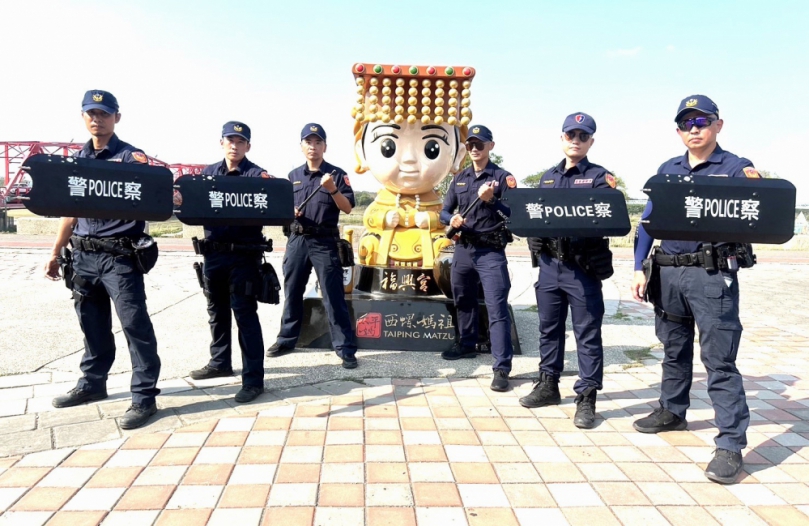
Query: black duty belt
x=494, y=240
x=695, y=259
x=115, y=245
x=204, y=246
x=730, y=256
x=312, y=231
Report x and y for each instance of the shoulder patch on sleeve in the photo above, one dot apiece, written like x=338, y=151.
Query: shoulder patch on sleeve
x=265, y=175
x=511, y=181
x=347, y=180
x=610, y=179
x=140, y=157
x=751, y=173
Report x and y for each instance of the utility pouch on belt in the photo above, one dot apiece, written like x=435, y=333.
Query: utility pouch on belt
x=597, y=259
x=269, y=287
x=65, y=260
x=346, y=253
x=146, y=253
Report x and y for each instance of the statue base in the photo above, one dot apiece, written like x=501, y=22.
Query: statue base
x=383, y=322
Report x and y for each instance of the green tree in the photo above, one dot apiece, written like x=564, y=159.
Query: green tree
x=364, y=198
x=766, y=174
x=532, y=181
x=441, y=189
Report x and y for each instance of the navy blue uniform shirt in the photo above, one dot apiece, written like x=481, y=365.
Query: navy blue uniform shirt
x=234, y=234
x=584, y=175
x=120, y=152
x=321, y=210
x=463, y=190
x=719, y=164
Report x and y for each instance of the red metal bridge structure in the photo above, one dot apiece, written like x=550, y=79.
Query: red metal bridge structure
x=13, y=155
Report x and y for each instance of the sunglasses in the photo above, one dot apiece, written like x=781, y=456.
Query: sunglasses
x=699, y=122
x=583, y=136
x=475, y=145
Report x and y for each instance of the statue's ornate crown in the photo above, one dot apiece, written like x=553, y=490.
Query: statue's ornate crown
x=391, y=93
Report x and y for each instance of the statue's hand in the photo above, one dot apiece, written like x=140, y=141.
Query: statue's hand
x=422, y=220
x=392, y=219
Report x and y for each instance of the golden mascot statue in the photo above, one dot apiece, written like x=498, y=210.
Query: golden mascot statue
x=410, y=129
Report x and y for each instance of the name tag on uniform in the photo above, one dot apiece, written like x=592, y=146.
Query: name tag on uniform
x=717, y=175
x=460, y=184
x=549, y=182
x=583, y=181
x=297, y=182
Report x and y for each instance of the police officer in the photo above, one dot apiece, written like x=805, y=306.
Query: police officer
x=232, y=255
x=570, y=274
x=313, y=243
x=101, y=274
x=689, y=293
x=480, y=256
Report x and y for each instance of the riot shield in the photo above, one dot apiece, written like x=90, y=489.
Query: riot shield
x=567, y=212
x=223, y=200
x=720, y=209
x=73, y=187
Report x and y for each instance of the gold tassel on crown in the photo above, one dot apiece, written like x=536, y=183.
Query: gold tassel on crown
x=381, y=94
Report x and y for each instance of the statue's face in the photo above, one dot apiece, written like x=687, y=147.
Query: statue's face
x=410, y=158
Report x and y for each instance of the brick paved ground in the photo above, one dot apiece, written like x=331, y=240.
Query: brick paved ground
x=441, y=451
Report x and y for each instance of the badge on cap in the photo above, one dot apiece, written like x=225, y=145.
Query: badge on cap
x=511, y=181
x=237, y=128
x=475, y=130
x=691, y=103
x=580, y=118
x=751, y=173
x=345, y=177
x=98, y=97
x=312, y=128
x=610, y=180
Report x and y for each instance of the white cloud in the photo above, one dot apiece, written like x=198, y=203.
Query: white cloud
x=620, y=53
x=670, y=48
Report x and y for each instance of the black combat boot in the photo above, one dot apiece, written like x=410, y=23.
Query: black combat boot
x=137, y=415
x=78, y=396
x=546, y=392
x=457, y=352
x=499, y=381
x=660, y=420
x=585, y=409
x=277, y=350
x=209, y=372
x=725, y=466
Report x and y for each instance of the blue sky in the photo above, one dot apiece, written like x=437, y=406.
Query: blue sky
x=181, y=69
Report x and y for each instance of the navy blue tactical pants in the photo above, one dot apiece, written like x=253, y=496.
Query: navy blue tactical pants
x=226, y=276
x=712, y=299
x=302, y=254
x=108, y=277
x=562, y=285
x=471, y=268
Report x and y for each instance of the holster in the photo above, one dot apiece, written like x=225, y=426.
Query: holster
x=270, y=287
x=346, y=253
x=653, y=292
x=535, y=249
x=65, y=260
x=198, y=268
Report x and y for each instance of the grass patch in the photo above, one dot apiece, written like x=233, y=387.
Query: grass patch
x=639, y=355
x=165, y=228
